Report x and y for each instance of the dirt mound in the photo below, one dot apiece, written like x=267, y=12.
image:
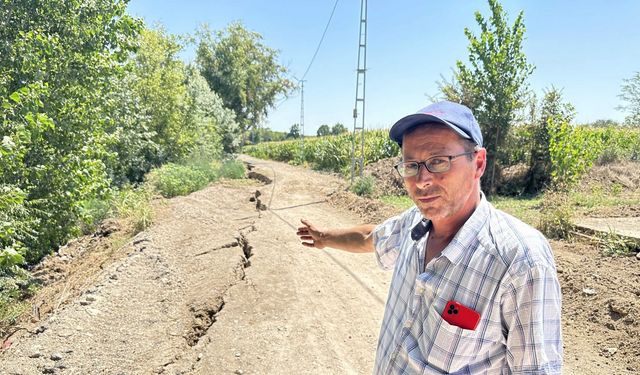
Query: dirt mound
x=615, y=178
x=69, y=272
x=388, y=182
x=512, y=179
x=370, y=210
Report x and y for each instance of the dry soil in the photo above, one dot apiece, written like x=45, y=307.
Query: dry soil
x=219, y=285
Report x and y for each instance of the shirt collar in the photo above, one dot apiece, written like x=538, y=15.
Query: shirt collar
x=468, y=233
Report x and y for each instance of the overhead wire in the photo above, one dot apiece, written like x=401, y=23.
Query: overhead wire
x=321, y=40
x=324, y=33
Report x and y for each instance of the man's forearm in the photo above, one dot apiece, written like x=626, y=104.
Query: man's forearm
x=355, y=239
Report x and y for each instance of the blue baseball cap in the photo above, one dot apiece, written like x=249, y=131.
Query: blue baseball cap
x=454, y=115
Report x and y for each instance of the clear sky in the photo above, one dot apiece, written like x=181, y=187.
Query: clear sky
x=586, y=48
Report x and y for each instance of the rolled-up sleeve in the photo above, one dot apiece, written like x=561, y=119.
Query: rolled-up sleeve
x=389, y=236
x=531, y=308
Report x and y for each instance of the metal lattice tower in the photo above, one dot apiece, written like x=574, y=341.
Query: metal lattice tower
x=301, y=115
x=357, y=151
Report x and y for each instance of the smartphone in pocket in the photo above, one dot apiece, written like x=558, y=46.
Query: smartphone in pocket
x=460, y=315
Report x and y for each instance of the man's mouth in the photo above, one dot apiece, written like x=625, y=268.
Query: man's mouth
x=428, y=199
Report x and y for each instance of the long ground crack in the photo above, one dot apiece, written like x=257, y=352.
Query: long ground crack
x=204, y=311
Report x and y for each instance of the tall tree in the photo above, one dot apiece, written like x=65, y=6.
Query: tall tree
x=242, y=71
x=631, y=95
x=553, y=110
x=323, y=130
x=493, y=85
x=338, y=128
x=294, y=131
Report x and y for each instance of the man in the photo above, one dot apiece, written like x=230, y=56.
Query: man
x=474, y=290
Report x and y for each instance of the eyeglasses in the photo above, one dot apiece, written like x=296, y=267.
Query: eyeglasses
x=435, y=164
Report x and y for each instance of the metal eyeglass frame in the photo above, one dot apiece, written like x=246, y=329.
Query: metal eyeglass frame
x=426, y=163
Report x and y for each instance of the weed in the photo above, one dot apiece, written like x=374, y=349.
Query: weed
x=613, y=244
x=363, y=186
x=92, y=213
x=172, y=180
x=134, y=206
x=232, y=169
x=15, y=287
x=556, y=215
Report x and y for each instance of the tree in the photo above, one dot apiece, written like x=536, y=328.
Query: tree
x=631, y=95
x=294, y=132
x=242, y=71
x=58, y=64
x=494, y=84
x=553, y=110
x=323, y=130
x=148, y=106
x=603, y=123
x=338, y=128
x=211, y=127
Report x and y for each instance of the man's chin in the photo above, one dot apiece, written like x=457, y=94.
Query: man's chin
x=428, y=211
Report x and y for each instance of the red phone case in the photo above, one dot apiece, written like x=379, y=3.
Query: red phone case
x=460, y=315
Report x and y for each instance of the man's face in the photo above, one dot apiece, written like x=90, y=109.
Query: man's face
x=449, y=194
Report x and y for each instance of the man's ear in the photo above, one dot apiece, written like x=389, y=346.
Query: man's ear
x=480, y=161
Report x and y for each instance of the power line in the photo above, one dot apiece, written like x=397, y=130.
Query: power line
x=301, y=80
x=321, y=39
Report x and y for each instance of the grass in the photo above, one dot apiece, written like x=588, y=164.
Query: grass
x=10, y=311
x=173, y=180
x=526, y=209
x=592, y=202
x=133, y=206
x=15, y=287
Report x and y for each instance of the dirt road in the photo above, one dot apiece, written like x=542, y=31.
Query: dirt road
x=216, y=286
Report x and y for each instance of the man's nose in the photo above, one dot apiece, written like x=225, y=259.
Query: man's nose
x=424, y=177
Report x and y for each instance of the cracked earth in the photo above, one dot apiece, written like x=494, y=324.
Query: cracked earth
x=219, y=284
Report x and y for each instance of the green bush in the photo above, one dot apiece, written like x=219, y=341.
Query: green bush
x=556, y=215
x=172, y=180
x=363, y=186
x=232, y=169
x=93, y=212
x=134, y=206
x=573, y=151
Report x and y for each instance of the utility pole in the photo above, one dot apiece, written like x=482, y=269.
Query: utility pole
x=357, y=151
x=301, y=116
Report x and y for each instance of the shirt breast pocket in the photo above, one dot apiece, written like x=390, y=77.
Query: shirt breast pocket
x=447, y=347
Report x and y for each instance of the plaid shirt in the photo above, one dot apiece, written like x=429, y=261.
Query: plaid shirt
x=495, y=265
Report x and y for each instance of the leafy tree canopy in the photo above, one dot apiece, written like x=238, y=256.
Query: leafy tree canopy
x=323, y=130
x=631, y=96
x=294, y=131
x=338, y=128
x=494, y=83
x=242, y=71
